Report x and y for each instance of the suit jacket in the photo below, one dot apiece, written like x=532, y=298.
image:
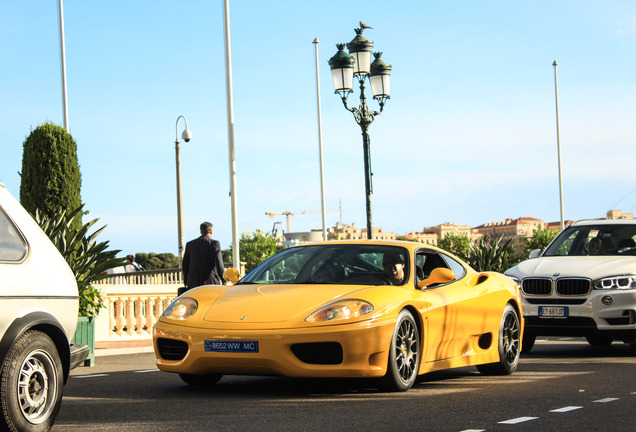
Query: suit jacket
x=202, y=262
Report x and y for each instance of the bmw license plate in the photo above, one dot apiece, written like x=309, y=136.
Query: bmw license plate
x=553, y=311
x=231, y=346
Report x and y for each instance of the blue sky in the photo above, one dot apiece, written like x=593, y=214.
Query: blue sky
x=468, y=135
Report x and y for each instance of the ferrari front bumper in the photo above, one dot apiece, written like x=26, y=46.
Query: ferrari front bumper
x=364, y=348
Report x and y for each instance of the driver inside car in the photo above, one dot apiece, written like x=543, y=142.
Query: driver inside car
x=393, y=264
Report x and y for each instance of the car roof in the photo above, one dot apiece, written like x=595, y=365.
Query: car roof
x=604, y=222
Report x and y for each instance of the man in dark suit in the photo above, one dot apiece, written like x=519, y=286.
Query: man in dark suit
x=202, y=260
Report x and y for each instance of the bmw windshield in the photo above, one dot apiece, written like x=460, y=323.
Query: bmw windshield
x=582, y=240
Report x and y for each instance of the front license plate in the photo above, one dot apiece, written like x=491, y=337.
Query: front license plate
x=553, y=311
x=231, y=346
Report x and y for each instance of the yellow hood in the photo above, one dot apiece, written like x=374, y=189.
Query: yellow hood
x=273, y=303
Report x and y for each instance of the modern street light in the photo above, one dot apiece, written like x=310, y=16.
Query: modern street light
x=358, y=63
x=187, y=136
x=556, y=98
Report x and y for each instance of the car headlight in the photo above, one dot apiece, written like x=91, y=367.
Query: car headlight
x=341, y=310
x=616, y=282
x=181, y=309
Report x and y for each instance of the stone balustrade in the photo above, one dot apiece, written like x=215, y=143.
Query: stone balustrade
x=134, y=302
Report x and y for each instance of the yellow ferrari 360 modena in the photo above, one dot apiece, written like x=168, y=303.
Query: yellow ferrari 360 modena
x=389, y=310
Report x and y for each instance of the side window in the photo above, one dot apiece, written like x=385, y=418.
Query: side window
x=456, y=267
x=426, y=262
x=12, y=247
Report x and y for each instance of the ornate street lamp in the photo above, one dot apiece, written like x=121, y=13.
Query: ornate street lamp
x=344, y=66
x=187, y=136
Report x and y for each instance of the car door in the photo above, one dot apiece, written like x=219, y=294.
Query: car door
x=453, y=309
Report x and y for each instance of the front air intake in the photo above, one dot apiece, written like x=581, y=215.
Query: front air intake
x=318, y=353
x=171, y=349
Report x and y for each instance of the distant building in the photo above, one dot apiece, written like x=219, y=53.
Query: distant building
x=343, y=232
x=617, y=214
x=351, y=232
x=298, y=238
x=512, y=229
x=516, y=229
x=429, y=238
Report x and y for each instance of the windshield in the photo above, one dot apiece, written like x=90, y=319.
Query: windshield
x=330, y=264
x=594, y=240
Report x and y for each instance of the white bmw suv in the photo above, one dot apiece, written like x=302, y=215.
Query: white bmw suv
x=38, y=316
x=583, y=284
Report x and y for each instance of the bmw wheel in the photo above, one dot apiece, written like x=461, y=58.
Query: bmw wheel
x=508, y=345
x=598, y=340
x=404, y=355
x=31, y=384
x=200, y=380
x=527, y=342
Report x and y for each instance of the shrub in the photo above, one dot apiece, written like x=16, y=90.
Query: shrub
x=51, y=178
x=492, y=255
x=87, y=259
x=458, y=244
x=256, y=248
x=154, y=261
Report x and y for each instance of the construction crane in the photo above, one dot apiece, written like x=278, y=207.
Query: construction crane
x=289, y=215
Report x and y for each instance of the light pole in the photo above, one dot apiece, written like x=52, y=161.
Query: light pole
x=556, y=98
x=358, y=63
x=187, y=136
x=322, y=169
x=60, y=12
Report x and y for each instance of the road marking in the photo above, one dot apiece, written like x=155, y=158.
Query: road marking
x=518, y=420
x=90, y=376
x=605, y=400
x=566, y=409
x=474, y=430
x=146, y=371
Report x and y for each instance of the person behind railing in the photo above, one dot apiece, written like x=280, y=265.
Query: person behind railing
x=132, y=266
x=114, y=272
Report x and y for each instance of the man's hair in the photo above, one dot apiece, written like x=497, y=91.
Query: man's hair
x=130, y=258
x=392, y=258
x=206, y=228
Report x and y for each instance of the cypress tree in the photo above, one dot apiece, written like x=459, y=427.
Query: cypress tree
x=51, y=178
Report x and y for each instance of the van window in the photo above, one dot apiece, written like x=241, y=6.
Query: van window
x=12, y=247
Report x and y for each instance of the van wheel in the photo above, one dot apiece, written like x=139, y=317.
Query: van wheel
x=31, y=384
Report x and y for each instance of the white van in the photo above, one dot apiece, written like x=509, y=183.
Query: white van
x=39, y=307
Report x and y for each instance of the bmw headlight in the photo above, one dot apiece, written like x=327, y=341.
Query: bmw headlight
x=181, y=309
x=341, y=310
x=516, y=279
x=616, y=282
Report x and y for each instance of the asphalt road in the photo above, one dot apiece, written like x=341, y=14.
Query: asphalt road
x=559, y=386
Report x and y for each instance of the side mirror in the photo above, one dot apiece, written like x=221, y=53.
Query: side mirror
x=535, y=253
x=438, y=275
x=232, y=275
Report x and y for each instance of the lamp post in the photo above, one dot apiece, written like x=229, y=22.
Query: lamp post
x=344, y=66
x=556, y=98
x=187, y=136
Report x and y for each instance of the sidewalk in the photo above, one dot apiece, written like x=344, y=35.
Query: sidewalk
x=120, y=348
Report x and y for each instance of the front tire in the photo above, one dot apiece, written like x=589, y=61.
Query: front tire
x=508, y=345
x=404, y=355
x=200, y=380
x=599, y=340
x=31, y=384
